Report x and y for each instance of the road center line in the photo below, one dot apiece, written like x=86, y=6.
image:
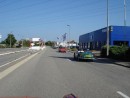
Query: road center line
x=122, y=94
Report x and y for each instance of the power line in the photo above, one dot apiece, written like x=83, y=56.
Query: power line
x=95, y=11
x=55, y=11
x=3, y=1
x=72, y=15
x=23, y=7
x=9, y=3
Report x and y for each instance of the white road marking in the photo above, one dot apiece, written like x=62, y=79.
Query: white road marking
x=12, y=52
x=122, y=94
x=14, y=67
x=13, y=61
x=7, y=53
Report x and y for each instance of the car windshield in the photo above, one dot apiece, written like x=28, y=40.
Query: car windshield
x=88, y=52
x=62, y=48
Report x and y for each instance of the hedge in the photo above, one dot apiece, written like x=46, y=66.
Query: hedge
x=128, y=54
x=116, y=52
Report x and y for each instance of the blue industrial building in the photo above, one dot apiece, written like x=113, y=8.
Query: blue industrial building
x=118, y=35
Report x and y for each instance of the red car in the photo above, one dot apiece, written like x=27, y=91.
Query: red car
x=62, y=49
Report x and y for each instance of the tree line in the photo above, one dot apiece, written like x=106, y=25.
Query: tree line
x=11, y=42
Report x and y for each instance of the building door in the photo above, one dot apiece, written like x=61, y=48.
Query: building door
x=91, y=45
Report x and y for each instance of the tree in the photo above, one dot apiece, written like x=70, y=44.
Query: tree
x=49, y=43
x=26, y=43
x=10, y=40
x=3, y=42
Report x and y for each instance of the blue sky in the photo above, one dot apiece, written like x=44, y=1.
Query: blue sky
x=48, y=19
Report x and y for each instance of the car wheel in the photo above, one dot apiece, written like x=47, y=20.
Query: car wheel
x=74, y=56
x=78, y=59
x=92, y=60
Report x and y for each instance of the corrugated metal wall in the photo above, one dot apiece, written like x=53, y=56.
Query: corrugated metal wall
x=97, y=39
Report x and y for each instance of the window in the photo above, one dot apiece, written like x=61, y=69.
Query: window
x=97, y=44
x=120, y=43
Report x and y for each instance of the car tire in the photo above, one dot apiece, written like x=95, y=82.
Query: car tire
x=92, y=60
x=78, y=59
x=74, y=56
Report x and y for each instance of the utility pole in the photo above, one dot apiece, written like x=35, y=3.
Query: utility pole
x=107, y=28
x=124, y=12
x=69, y=35
x=124, y=21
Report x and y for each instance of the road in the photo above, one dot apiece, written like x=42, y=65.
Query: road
x=7, y=50
x=51, y=74
x=13, y=56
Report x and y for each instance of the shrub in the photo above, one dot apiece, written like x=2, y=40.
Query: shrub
x=128, y=54
x=73, y=49
x=116, y=52
x=2, y=46
x=103, y=51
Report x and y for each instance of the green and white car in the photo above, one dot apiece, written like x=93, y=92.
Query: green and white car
x=83, y=55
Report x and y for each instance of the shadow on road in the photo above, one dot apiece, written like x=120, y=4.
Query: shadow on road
x=71, y=59
x=61, y=57
x=98, y=60
x=110, y=61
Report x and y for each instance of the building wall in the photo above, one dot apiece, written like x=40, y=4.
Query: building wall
x=93, y=40
x=120, y=34
x=97, y=39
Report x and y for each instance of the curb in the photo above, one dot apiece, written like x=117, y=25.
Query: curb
x=120, y=63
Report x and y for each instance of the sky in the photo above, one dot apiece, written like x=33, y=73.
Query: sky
x=48, y=19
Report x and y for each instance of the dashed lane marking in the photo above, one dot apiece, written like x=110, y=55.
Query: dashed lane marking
x=122, y=94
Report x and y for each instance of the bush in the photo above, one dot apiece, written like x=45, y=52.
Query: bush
x=128, y=54
x=73, y=49
x=116, y=52
x=104, y=51
x=2, y=46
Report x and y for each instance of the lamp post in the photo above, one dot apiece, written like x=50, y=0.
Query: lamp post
x=107, y=28
x=124, y=12
x=69, y=34
x=124, y=21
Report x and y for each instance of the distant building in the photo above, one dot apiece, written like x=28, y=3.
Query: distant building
x=36, y=44
x=118, y=35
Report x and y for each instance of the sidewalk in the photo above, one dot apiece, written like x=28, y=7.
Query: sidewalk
x=117, y=62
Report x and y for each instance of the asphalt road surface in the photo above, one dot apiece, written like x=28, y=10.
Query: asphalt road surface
x=7, y=50
x=51, y=74
x=12, y=56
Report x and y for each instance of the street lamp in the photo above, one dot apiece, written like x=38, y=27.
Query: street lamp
x=124, y=20
x=107, y=28
x=124, y=12
x=69, y=34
